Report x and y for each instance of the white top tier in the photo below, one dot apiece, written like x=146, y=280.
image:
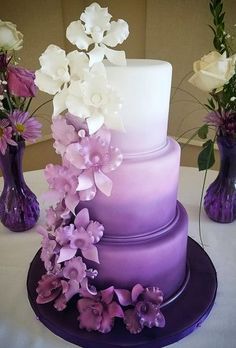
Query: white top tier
x=144, y=86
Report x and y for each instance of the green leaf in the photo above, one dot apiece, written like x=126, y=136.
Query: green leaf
x=206, y=157
x=203, y=131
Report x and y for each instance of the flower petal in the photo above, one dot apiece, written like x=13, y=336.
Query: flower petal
x=96, y=55
x=131, y=321
x=124, y=297
x=75, y=33
x=82, y=218
x=115, y=57
x=136, y=292
x=95, y=123
x=91, y=253
x=107, y=294
x=79, y=64
x=59, y=101
x=85, y=181
x=71, y=201
x=46, y=84
x=66, y=253
x=103, y=183
x=115, y=310
x=117, y=33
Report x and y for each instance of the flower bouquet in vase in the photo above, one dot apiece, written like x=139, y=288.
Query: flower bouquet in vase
x=19, y=209
x=215, y=73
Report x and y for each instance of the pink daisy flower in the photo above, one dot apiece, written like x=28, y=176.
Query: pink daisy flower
x=5, y=136
x=25, y=125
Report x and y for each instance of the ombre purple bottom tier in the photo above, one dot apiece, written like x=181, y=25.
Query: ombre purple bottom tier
x=157, y=258
x=182, y=316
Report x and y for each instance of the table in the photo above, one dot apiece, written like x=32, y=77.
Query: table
x=19, y=327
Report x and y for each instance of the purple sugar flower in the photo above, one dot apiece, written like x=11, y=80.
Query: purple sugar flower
x=49, y=288
x=75, y=269
x=95, y=157
x=62, y=183
x=69, y=289
x=80, y=236
x=146, y=311
x=98, y=313
x=25, y=125
x=5, y=135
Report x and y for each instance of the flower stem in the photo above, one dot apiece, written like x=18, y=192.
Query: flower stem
x=39, y=107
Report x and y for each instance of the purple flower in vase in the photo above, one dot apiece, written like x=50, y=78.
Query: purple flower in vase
x=146, y=307
x=98, y=312
x=21, y=82
x=25, y=125
x=94, y=156
x=5, y=136
x=214, y=118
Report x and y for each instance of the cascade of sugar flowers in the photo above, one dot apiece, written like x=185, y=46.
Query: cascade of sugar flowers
x=81, y=90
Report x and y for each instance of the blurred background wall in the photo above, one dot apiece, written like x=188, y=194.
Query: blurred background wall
x=172, y=30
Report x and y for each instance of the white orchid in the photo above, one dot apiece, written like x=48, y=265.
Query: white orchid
x=54, y=70
x=101, y=33
x=78, y=80
x=93, y=99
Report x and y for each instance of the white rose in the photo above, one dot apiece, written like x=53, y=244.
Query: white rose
x=10, y=37
x=213, y=71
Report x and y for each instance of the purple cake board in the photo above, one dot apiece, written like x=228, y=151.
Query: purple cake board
x=183, y=315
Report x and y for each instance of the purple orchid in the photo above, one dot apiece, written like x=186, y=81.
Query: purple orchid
x=21, y=82
x=75, y=269
x=69, y=289
x=5, y=136
x=67, y=130
x=94, y=156
x=25, y=125
x=98, y=313
x=63, y=134
x=146, y=311
x=62, y=184
x=49, y=288
x=58, y=216
x=80, y=236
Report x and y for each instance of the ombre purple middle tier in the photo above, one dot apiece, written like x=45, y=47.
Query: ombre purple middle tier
x=144, y=193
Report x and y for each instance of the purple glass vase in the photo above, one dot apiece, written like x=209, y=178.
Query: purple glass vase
x=19, y=208
x=220, y=199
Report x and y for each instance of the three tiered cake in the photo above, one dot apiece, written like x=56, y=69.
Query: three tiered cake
x=115, y=237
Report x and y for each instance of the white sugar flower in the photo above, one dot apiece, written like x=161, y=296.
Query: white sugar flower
x=54, y=70
x=79, y=65
x=95, y=100
x=96, y=21
x=10, y=37
x=101, y=32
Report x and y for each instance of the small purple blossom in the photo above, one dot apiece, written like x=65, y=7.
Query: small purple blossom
x=25, y=125
x=21, y=82
x=5, y=136
x=75, y=269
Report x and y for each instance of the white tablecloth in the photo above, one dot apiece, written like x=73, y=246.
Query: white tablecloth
x=19, y=327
